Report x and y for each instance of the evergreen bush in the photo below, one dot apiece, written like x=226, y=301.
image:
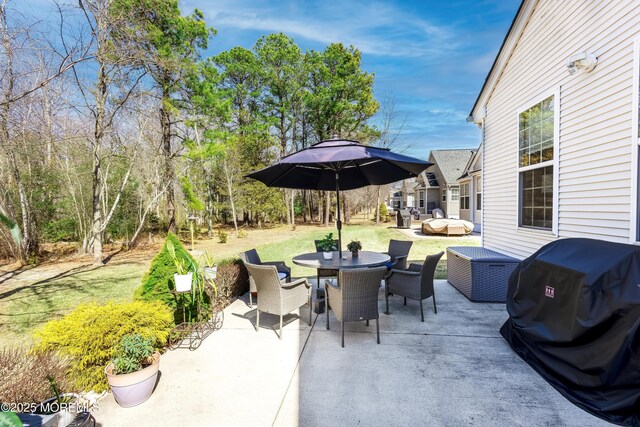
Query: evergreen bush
x=158, y=283
x=90, y=336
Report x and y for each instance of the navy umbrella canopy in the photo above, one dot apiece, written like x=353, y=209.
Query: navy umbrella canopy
x=339, y=165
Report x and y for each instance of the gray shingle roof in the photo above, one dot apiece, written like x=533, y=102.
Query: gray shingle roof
x=452, y=162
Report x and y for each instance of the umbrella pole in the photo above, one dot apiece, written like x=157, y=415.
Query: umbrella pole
x=338, y=223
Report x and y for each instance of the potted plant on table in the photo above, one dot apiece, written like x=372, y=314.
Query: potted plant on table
x=354, y=246
x=132, y=373
x=327, y=245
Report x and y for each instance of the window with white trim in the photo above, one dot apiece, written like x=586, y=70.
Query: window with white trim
x=535, y=165
x=464, y=196
x=455, y=194
x=421, y=198
x=444, y=194
x=478, y=194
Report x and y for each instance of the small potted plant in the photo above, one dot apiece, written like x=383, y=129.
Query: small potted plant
x=132, y=373
x=210, y=269
x=354, y=246
x=327, y=244
x=183, y=276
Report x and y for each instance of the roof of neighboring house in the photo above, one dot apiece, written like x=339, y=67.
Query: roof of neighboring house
x=472, y=160
x=452, y=163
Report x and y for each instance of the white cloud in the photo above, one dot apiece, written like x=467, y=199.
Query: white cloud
x=376, y=29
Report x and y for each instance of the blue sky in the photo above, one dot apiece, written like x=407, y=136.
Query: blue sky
x=430, y=56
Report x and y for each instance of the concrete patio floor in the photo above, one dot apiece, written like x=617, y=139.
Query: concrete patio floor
x=452, y=370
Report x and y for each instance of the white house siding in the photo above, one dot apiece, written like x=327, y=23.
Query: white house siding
x=595, y=132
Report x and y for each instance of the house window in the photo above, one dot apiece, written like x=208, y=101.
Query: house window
x=536, y=142
x=455, y=194
x=421, y=199
x=479, y=194
x=444, y=194
x=464, y=196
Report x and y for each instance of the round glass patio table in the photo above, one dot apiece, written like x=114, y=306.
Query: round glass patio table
x=364, y=259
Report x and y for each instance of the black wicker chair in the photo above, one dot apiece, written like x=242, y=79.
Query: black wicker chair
x=415, y=283
x=356, y=296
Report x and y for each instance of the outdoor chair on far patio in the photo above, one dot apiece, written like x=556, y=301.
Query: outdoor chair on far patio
x=414, y=283
x=251, y=256
x=325, y=272
x=277, y=297
x=356, y=296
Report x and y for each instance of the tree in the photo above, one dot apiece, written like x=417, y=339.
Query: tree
x=169, y=45
x=114, y=85
x=29, y=63
x=282, y=80
x=339, y=97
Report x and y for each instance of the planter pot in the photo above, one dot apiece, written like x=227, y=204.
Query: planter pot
x=210, y=273
x=183, y=281
x=134, y=388
x=354, y=254
x=327, y=255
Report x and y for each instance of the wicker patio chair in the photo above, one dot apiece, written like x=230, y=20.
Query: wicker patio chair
x=356, y=296
x=399, y=252
x=325, y=272
x=414, y=283
x=251, y=256
x=277, y=297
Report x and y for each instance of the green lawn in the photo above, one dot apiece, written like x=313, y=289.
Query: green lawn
x=43, y=293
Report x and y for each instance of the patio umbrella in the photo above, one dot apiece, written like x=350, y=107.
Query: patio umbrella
x=339, y=165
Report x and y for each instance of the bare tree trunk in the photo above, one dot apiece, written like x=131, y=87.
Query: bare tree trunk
x=169, y=176
x=327, y=196
x=230, y=190
x=96, y=227
x=293, y=211
x=285, y=194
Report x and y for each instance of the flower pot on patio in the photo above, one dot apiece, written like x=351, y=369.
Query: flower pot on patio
x=183, y=281
x=327, y=255
x=134, y=388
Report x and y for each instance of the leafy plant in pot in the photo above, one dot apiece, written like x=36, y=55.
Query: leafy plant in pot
x=327, y=245
x=183, y=277
x=133, y=371
x=354, y=246
x=210, y=269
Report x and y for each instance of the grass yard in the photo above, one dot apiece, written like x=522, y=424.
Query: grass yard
x=29, y=298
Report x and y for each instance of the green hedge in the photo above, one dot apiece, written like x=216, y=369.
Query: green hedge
x=91, y=333
x=158, y=284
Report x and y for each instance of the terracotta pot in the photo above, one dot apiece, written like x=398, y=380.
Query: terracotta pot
x=183, y=281
x=134, y=388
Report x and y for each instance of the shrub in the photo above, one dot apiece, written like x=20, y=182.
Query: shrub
x=26, y=375
x=158, y=284
x=232, y=280
x=384, y=212
x=91, y=333
x=222, y=236
x=242, y=234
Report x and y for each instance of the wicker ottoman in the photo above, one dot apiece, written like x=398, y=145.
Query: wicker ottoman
x=480, y=274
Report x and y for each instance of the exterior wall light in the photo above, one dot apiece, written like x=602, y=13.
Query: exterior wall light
x=581, y=61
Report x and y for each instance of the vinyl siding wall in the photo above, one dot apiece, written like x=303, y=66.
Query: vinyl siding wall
x=595, y=123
